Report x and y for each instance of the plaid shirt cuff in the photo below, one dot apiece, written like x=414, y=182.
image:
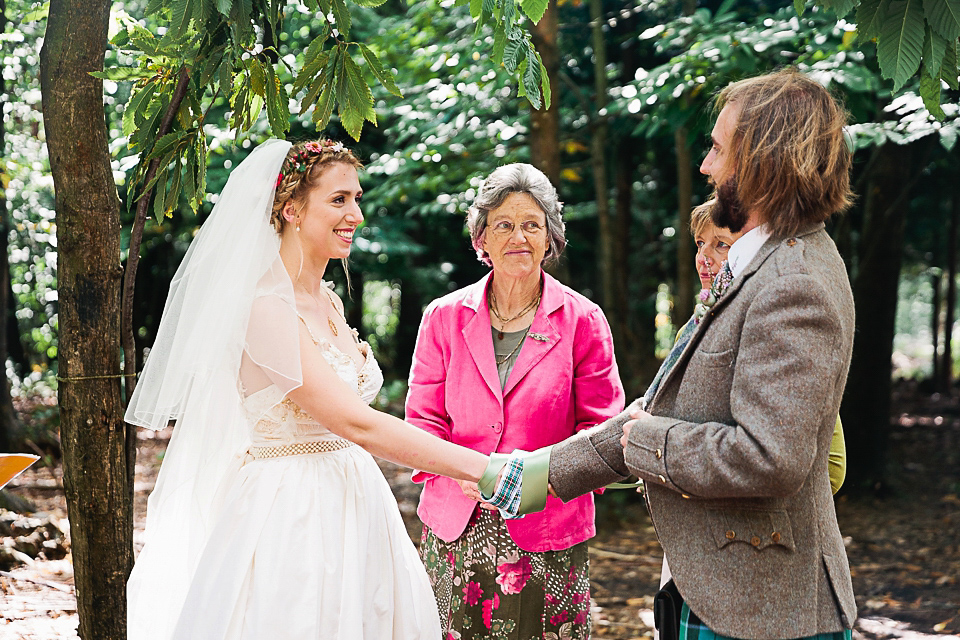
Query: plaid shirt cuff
x=506, y=498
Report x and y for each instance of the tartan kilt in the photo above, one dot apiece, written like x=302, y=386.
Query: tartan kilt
x=692, y=628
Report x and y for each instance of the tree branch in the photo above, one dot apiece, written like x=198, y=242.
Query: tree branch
x=136, y=236
x=130, y=278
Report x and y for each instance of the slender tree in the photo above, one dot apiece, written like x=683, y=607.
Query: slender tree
x=936, y=282
x=545, y=121
x=598, y=156
x=866, y=406
x=950, y=302
x=93, y=434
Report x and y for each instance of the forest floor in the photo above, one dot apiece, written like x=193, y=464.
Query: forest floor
x=904, y=549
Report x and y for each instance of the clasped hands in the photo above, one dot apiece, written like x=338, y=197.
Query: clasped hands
x=518, y=483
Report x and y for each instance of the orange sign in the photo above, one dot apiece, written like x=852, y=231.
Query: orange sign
x=13, y=464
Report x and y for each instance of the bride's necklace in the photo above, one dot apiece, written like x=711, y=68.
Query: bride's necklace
x=492, y=303
x=330, y=323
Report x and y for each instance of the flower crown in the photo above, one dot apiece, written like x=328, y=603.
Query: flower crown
x=298, y=161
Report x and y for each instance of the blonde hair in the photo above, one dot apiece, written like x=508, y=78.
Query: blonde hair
x=301, y=171
x=700, y=218
x=792, y=161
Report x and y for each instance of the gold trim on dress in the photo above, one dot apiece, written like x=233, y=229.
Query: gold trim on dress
x=299, y=448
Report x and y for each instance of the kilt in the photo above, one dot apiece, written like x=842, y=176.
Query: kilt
x=692, y=628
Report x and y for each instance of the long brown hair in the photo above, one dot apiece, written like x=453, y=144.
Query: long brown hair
x=792, y=160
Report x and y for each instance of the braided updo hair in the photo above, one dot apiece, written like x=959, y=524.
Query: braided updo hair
x=301, y=171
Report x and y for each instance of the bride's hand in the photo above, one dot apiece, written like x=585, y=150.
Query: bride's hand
x=471, y=490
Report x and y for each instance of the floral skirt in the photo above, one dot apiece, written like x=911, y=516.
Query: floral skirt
x=487, y=587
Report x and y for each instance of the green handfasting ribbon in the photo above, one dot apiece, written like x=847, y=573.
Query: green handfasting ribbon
x=488, y=481
x=625, y=485
x=535, y=478
x=533, y=488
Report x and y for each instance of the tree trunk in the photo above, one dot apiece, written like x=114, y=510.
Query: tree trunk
x=683, y=300
x=93, y=434
x=866, y=405
x=10, y=427
x=619, y=315
x=545, y=123
x=936, y=281
x=946, y=367
x=598, y=150
x=408, y=323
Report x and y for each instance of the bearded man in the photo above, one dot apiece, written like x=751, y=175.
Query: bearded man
x=734, y=443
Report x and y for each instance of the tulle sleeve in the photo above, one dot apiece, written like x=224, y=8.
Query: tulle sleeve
x=272, y=345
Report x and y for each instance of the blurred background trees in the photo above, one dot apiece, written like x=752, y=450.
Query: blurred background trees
x=623, y=138
x=628, y=124
x=630, y=85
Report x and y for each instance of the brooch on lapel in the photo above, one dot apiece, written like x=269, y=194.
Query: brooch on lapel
x=539, y=337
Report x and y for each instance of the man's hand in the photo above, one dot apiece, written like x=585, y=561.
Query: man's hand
x=636, y=414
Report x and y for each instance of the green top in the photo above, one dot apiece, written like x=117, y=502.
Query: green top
x=837, y=462
x=509, y=345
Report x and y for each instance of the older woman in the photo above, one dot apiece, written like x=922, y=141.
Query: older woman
x=514, y=361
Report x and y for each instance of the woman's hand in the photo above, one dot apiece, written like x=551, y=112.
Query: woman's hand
x=472, y=491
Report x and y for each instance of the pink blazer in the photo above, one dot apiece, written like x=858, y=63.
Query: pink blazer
x=560, y=385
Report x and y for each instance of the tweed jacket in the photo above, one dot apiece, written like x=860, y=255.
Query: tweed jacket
x=734, y=456
x=565, y=380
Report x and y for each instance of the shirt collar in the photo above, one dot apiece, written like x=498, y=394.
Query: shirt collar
x=747, y=246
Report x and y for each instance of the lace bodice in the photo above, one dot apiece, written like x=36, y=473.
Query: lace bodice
x=279, y=421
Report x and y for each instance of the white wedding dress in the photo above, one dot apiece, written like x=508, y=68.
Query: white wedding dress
x=309, y=546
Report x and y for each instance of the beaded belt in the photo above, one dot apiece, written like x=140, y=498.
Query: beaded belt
x=299, y=449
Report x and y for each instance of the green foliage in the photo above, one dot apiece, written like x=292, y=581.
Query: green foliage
x=229, y=50
x=714, y=50
x=911, y=35
x=900, y=43
x=911, y=120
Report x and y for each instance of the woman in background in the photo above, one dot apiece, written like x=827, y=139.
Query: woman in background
x=514, y=361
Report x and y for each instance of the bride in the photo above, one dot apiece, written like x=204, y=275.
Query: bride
x=270, y=518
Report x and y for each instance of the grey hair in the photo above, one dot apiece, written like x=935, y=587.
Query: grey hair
x=518, y=177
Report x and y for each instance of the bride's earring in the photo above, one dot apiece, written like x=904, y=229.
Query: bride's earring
x=298, y=224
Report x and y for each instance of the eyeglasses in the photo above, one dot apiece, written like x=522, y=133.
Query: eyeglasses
x=505, y=228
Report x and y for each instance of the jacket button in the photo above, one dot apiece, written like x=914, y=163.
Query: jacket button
x=684, y=496
x=775, y=536
x=731, y=535
x=662, y=479
x=659, y=453
x=497, y=427
x=755, y=541
x=791, y=242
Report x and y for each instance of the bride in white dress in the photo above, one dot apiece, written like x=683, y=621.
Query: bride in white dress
x=270, y=518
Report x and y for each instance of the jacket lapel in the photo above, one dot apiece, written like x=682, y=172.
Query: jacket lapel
x=541, y=338
x=478, y=338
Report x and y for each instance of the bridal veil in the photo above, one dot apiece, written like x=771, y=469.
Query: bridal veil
x=192, y=377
